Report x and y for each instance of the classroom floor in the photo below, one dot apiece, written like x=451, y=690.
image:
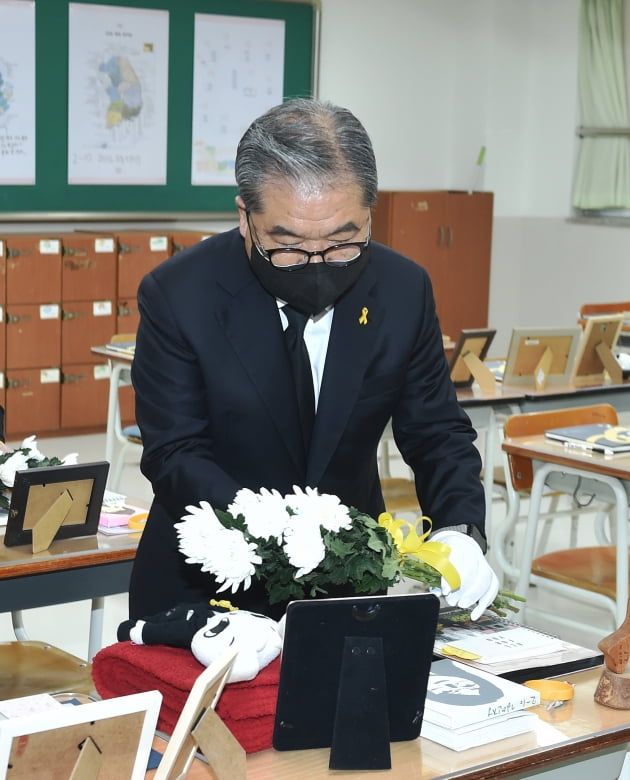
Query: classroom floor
x=67, y=625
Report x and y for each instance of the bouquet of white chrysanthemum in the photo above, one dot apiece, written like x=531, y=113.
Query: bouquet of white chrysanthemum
x=302, y=543
x=26, y=456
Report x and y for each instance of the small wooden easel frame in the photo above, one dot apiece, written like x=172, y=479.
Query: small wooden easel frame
x=540, y=357
x=55, y=502
x=466, y=363
x=200, y=728
x=595, y=357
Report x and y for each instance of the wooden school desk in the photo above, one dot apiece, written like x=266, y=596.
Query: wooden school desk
x=88, y=567
x=610, y=482
x=583, y=739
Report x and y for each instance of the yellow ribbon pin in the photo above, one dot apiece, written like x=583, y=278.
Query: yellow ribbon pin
x=363, y=318
x=409, y=542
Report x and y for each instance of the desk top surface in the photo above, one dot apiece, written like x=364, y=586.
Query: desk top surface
x=122, y=357
x=539, y=447
x=578, y=727
x=64, y=554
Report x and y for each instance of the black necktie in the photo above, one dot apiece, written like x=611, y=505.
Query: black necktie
x=301, y=366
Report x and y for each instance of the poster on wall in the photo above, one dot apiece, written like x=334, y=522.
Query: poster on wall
x=117, y=94
x=17, y=92
x=238, y=75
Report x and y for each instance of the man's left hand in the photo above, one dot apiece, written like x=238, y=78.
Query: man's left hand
x=479, y=583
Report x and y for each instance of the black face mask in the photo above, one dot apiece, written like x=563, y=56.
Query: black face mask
x=310, y=288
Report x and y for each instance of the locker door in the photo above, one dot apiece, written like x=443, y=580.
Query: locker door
x=32, y=401
x=84, y=395
x=85, y=324
x=138, y=253
x=33, y=335
x=88, y=268
x=127, y=315
x=33, y=269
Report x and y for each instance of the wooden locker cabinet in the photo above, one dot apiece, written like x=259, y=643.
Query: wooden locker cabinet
x=449, y=233
x=33, y=335
x=127, y=315
x=83, y=325
x=3, y=337
x=32, y=401
x=138, y=253
x=33, y=269
x=88, y=267
x=84, y=395
x=183, y=239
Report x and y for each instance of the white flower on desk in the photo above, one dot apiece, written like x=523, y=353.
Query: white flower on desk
x=26, y=456
x=223, y=552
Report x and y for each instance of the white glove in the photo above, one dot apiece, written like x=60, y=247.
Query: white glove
x=479, y=583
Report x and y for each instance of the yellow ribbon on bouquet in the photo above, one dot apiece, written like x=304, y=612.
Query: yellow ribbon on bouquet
x=409, y=542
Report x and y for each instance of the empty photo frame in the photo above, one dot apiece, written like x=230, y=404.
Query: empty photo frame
x=55, y=502
x=77, y=740
x=354, y=675
x=538, y=357
x=595, y=356
x=470, y=350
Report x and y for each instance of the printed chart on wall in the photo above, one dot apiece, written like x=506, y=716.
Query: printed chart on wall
x=17, y=93
x=238, y=75
x=117, y=95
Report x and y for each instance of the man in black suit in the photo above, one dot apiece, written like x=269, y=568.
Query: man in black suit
x=215, y=394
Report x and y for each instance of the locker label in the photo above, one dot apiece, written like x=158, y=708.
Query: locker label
x=49, y=311
x=49, y=376
x=102, y=309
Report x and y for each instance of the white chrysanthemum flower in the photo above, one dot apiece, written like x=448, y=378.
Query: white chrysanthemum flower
x=303, y=545
x=18, y=461
x=265, y=513
x=71, y=459
x=30, y=444
x=324, y=510
x=223, y=552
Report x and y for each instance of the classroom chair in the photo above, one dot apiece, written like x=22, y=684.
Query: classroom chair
x=584, y=573
x=129, y=437
x=399, y=493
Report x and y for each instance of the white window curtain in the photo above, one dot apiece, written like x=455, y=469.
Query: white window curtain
x=602, y=180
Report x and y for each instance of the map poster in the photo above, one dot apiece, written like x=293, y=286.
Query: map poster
x=238, y=75
x=117, y=95
x=17, y=92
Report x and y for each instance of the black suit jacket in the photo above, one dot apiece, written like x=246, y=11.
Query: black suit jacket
x=217, y=410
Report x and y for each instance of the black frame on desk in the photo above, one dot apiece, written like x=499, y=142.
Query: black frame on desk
x=538, y=357
x=37, y=490
x=591, y=363
x=476, y=342
x=354, y=675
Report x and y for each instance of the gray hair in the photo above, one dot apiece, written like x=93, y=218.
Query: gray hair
x=309, y=143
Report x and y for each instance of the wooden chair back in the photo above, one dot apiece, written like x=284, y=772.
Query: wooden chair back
x=534, y=423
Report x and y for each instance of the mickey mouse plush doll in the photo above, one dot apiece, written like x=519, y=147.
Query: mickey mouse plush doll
x=208, y=628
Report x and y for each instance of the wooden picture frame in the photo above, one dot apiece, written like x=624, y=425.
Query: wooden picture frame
x=595, y=357
x=75, y=740
x=538, y=357
x=200, y=728
x=470, y=350
x=55, y=502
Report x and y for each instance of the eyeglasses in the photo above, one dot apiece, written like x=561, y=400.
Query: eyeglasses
x=335, y=256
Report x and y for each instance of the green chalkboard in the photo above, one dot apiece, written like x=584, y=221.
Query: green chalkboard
x=52, y=195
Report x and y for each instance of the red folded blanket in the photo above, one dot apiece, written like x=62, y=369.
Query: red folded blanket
x=247, y=708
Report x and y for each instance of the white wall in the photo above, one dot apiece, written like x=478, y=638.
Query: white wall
x=433, y=81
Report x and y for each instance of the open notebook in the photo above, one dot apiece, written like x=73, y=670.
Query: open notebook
x=596, y=437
